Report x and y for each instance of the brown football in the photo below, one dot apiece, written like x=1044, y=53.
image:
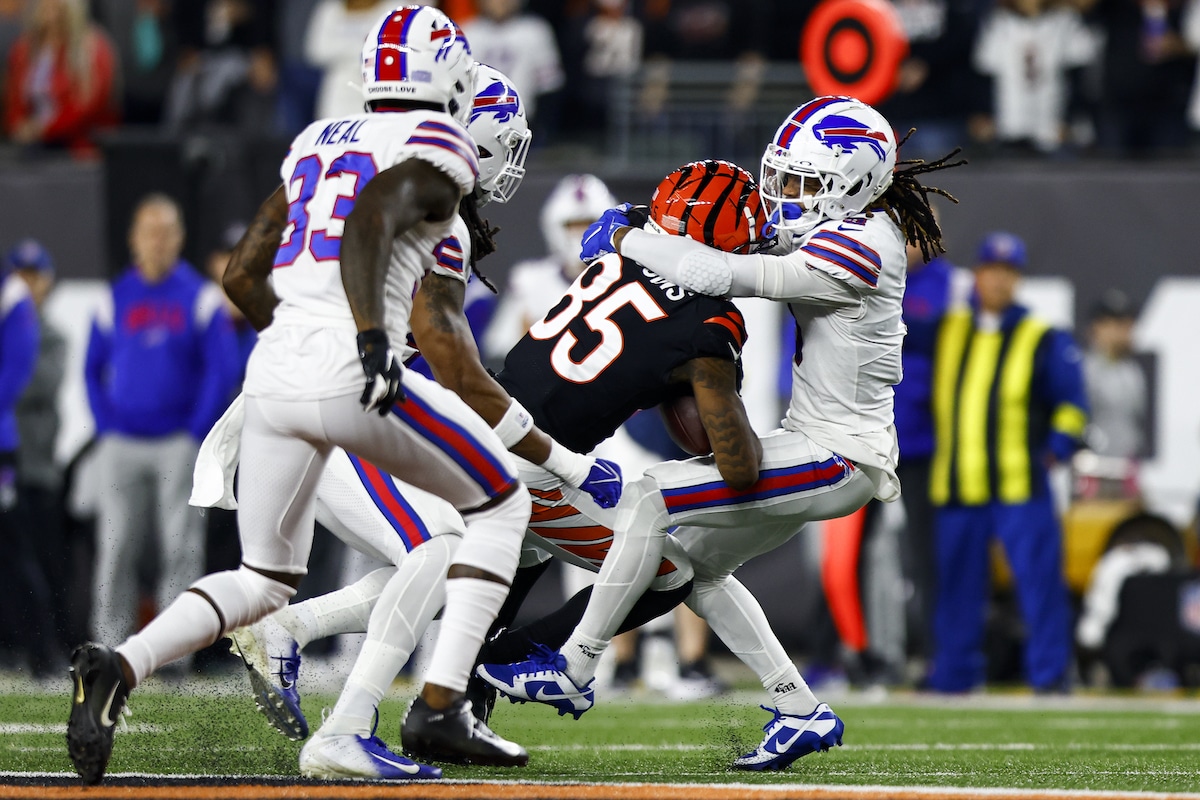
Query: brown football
x=682, y=418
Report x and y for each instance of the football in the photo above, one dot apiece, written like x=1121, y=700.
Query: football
x=682, y=418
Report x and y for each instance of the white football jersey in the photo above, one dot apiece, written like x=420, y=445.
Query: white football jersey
x=309, y=351
x=848, y=359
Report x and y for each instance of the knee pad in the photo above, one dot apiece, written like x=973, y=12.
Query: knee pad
x=494, y=535
x=242, y=596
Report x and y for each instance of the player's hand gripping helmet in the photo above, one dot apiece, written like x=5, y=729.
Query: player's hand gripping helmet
x=713, y=202
x=576, y=200
x=830, y=159
x=501, y=133
x=418, y=53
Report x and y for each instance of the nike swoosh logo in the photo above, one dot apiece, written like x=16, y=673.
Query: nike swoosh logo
x=541, y=695
x=284, y=683
x=78, y=690
x=105, y=719
x=411, y=769
x=782, y=745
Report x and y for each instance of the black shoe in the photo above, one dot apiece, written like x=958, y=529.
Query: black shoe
x=100, y=693
x=482, y=697
x=454, y=734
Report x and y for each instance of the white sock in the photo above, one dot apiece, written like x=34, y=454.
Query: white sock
x=789, y=693
x=583, y=657
x=356, y=705
x=346, y=610
x=187, y=625
x=471, y=607
x=738, y=620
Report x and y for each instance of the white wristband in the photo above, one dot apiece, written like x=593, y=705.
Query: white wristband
x=567, y=464
x=515, y=425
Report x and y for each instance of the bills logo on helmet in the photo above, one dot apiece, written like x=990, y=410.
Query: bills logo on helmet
x=848, y=133
x=496, y=98
x=449, y=36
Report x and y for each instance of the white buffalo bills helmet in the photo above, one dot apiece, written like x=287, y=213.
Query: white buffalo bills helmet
x=576, y=200
x=418, y=53
x=830, y=159
x=501, y=132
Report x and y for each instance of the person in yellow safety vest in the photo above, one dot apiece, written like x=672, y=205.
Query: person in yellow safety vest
x=1008, y=402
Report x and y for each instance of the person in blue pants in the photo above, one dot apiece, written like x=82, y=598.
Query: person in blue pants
x=1008, y=402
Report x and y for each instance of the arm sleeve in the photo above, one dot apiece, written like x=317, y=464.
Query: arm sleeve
x=18, y=352
x=220, y=360
x=95, y=365
x=708, y=271
x=1061, y=376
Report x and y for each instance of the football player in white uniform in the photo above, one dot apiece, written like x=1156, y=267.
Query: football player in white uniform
x=376, y=514
x=843, y=214
x=339, y=250
x=535, y=286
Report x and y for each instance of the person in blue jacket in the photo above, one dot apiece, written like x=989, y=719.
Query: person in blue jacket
x=25, y=617
x=1008, y=402
x=161, y=362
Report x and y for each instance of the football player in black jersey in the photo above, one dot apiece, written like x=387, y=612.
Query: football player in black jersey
x=622, y=339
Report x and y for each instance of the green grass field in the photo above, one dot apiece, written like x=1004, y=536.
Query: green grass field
x=994, y=740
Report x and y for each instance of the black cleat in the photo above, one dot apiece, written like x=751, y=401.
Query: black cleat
x=100, y=694
x=482, y=697
x=455, y=735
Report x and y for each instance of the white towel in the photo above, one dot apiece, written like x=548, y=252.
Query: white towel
x=216, y=463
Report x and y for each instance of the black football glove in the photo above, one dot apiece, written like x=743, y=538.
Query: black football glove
x=383, y=372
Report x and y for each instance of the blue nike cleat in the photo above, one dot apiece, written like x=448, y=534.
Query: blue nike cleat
x=272, y=660
x=790, y=737
x=541, y=679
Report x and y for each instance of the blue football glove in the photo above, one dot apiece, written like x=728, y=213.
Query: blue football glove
x=790, y=211
x=383, y=371
x=604, y=483
x=597, y=239
x=1062, y=447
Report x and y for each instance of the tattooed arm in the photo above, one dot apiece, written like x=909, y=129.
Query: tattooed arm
x=736, y=447
x=444, y=339
x=245, y=279
x=389, y=205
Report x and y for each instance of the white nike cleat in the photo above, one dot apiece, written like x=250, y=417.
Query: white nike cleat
x=348, y=755
x=541, y=679
x=789, y=737
x=272, y=659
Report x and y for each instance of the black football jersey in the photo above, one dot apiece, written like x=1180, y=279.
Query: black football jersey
x=609, y=346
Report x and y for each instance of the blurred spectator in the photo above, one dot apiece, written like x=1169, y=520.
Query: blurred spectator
x=334, y=44
x=158, y=375
x=26, y=622
x=601, y=45
x=535, y=286
x=932, y=288
x=1028, y=47
x=1147, y=76
x=938, y=91
x=299, y=81
x=228, y=74
x=1116, y=383
x=12, y=20
x=1191, y=36
x=1008, y=402
x=60, y=87
x=523, y=47
x=39, y=476
x=144, y=34
x=244, y=333
x=706, y=30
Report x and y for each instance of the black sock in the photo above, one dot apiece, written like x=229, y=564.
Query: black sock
x=555, y=628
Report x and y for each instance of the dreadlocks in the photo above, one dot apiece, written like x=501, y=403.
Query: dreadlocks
x=483, y=241
x=906, y=201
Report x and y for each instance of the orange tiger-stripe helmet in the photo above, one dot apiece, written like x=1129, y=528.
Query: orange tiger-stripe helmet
x=713, y=202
